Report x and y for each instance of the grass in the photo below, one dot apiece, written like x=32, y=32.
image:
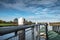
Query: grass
x=4, y=24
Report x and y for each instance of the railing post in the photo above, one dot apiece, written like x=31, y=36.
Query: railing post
x=33, y=33
x=22, y=34
x=46, y=25
x=16, y=33
x=38, y=32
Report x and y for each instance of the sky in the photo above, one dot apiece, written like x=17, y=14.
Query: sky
x=33, y=10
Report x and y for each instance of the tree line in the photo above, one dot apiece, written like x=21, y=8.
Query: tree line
x=1, y=21
x=12, y=22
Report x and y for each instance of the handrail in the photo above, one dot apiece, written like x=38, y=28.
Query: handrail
x=21, y=30
x=10, y=29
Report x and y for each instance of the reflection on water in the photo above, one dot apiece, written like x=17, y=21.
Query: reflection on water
x=28, y=36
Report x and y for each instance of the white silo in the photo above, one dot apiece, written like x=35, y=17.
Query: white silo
x=36, y=23
x=21, y=21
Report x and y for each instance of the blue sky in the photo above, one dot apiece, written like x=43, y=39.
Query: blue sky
x=34, y=10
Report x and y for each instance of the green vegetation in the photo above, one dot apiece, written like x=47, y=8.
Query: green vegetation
x=10, y=23
x=29, y=23
x=13, y=23
x=1, y=25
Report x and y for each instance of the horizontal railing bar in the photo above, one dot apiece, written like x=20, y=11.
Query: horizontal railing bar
x=16, y=35
x=10, y=29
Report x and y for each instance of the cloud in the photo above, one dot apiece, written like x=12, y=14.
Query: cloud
x=27, y=4
x=43, y=19
x=34, y=6
x=42, y=9
x=46, y=15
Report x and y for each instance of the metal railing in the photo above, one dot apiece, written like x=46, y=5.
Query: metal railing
x=20, y=32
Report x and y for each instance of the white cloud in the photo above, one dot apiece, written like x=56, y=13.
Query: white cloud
x=43, y=19
x=21, y=4
x=44, y=2
x=41, y=14
x=45, y=15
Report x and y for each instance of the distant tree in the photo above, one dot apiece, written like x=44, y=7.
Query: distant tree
x=16, y=20
x=1, y=21
x=10, y=21
x=4, y=21
x=28, y=23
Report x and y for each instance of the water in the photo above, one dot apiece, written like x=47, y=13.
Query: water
x=29, y=35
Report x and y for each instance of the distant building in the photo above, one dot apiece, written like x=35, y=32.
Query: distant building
x=56, y=29
x=21, y=21
x=16, y=20
x=36, y=23
x=56, y=26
